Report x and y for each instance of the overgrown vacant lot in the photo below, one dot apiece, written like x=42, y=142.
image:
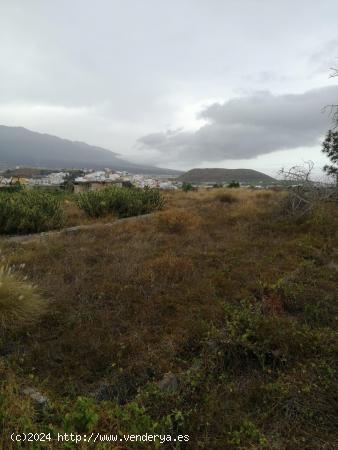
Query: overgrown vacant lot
x=214, y=318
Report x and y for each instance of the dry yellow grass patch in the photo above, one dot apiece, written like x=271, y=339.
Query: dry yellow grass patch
x=76, y=216
x=168, y=268
x=177, y=221
x=226, y=197
x=20, y=302
x=247, y=204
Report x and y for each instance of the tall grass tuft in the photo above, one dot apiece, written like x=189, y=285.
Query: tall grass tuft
x=20, y=301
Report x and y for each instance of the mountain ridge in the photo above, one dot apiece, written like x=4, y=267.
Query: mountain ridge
x=20, y=146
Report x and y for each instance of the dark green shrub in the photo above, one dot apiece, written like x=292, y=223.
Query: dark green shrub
x=83, y=417
x=11, y=188
x=121, y=201
x=186, y=187
x=234, y=184
x=29, y=212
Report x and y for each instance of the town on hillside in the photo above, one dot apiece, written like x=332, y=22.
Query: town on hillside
x=84, y=179
x=81, y=180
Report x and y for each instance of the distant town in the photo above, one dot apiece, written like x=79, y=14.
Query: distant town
x=84, y=179
x=80, y=180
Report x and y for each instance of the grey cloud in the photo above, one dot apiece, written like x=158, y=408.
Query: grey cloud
x=264, y=77
x=326, y=57
x=247, y=127
x=110, y=72
x=154, y=139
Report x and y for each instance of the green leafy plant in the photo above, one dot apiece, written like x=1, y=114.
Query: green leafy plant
x=248, y=433
x=83, y=417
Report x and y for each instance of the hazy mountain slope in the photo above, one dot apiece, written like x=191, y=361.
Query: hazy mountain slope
x=19, y=146
x=224, y=175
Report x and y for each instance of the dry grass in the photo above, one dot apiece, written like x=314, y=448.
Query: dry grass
x=20, y=302
x=238, y=303
x=75, y=216
x=226, y=197
x=168, y=268
x=177, y=221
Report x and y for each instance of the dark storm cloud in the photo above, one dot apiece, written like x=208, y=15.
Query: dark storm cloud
x=246, y=127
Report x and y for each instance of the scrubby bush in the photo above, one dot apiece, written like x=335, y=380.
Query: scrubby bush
x=11, y=188
x=83, y=417
x=29, y=212
x=20, y=302
x=121, y=201
x=186, y=187
x=248, y=432
x=234, y=184
x=253, y=338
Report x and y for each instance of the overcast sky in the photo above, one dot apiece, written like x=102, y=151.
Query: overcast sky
x=179, y=83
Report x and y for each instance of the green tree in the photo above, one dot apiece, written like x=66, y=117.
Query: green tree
x=330, y=148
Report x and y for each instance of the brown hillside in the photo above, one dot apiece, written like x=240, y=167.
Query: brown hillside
x=224, y=176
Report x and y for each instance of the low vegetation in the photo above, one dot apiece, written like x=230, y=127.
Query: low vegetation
x=233, y=184
x=24, y=211
x=186, y=187
x=124, y=202
x=230, y=300
x=20, y=302
x=176, y=220
x=226, y=197
x=29, y=211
